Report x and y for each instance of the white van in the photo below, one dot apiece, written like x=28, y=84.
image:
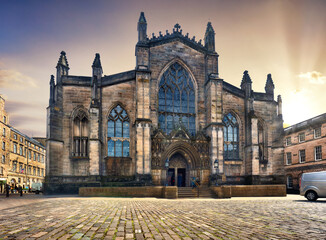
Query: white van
x=313, y=185
x=37, y=188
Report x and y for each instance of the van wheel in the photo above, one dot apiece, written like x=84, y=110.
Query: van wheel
x=311, y=196
x=37, y=192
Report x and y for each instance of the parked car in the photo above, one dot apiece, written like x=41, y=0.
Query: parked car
x=37, y=187
x=313, y=185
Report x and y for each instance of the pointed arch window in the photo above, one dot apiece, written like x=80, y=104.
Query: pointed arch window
x=118, y=133
x=176, y=100
x=231, y=137
x=80, y=138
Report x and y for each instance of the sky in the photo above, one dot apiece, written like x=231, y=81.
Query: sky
x=282, y=37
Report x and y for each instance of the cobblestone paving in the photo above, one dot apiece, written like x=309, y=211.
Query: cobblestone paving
x=290, y=217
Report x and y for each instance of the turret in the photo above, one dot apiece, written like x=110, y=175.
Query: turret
x=142, y=28
x=51, y=100
x=246, y=84
x=62, y=66
x=269, y=87
x=97, y=66
x=210, y=38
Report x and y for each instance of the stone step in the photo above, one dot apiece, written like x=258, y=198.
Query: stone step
x=188, y=192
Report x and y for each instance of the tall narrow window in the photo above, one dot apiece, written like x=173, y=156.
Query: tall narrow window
x=118, y=133
x=80, y=128
x=318, y=153
x=288, y=158
x=288, y=141
x=261, y=142
x=302, y=156
x=231, y=137
x=176, y=100
x=317, y=132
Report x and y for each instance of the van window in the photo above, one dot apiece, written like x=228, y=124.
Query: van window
x=317, y=176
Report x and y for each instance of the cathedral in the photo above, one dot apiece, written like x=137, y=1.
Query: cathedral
x=169, y=122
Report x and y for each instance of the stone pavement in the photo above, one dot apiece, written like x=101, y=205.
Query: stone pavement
x=40, y=217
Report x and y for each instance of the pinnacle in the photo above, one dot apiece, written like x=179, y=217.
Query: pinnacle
x=142, y=18
x=63, y=60
x=269, y=81
x=246, y=78
x=209, y=28
x=97, y=61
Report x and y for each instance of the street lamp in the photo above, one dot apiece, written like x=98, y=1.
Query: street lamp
x=166, y=167
x=216, y=165
x=217, y=170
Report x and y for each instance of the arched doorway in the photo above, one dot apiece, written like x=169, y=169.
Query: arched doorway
x=178, y=171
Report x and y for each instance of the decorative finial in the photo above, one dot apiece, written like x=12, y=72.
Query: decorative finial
x=97, y=61
x=177, y=27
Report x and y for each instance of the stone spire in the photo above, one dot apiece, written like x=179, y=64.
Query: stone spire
x=142, y=28
x=63, y=62
x=269, y=87
x=62, y=66
x=51, y=100
x=97, y=66
x=210, y=37
x=246, y=83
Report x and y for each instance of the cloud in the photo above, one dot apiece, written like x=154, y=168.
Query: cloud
x=18, y=120
x=10, y=78
x=13, y=106
x=314, y=77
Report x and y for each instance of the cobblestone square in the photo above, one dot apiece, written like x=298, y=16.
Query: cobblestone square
x=39, y=217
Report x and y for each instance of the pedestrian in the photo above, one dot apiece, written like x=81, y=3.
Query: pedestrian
x=7, y=190
x=20, y=189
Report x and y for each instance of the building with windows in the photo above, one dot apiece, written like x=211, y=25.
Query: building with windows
x=5, y=145
x=22, y=157
x=170, y=120
x=304, y=149
x=27, y=160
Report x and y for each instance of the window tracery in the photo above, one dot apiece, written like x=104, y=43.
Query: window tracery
x=80, y=135
x=176, y=100
x=231, y=137
x=118, y=133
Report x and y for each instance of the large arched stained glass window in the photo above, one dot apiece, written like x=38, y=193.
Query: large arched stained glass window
x=118, y=133
x=176, y=100
x=231, y=137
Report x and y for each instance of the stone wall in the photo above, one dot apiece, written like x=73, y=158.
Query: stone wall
x=172, y=192
x=157, y=192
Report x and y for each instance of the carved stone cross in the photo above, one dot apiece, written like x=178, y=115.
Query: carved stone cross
x=177, y=26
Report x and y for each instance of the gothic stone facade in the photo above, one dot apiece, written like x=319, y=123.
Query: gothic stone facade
x=169, y=121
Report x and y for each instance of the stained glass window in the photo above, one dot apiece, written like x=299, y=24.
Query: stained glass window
x=231, y=137
x=118, y=133
x=176, y=100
